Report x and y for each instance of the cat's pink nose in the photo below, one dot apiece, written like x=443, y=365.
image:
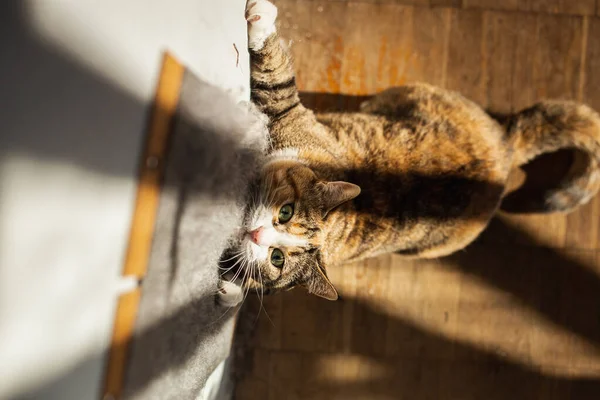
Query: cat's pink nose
x=255, y=235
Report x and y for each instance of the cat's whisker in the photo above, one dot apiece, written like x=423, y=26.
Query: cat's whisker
x=234, y=264
x=235, y=256
x=239, y=271
x=239, y=253
x=226, y=270
x=262, y=296
x=247, y=286
x=237, y=274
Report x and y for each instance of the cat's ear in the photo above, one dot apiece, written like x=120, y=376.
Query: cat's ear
x=336, y=193
x=321, y=286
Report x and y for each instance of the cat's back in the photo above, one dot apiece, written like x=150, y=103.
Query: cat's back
x=431, y=164
x=424, y=129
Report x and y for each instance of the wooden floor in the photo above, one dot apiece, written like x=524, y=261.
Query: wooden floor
x=514, y=316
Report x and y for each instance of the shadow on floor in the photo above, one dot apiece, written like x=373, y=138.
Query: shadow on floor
x=399, y=360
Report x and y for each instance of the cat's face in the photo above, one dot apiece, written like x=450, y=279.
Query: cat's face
x=282, y=236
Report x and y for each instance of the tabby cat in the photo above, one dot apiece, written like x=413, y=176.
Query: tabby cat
x=419, y=171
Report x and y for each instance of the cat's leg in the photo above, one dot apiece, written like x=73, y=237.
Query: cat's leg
x=261, y=16
x=273, y=83
x=230, y=294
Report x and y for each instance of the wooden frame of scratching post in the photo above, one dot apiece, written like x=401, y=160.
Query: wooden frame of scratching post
x=144, y=216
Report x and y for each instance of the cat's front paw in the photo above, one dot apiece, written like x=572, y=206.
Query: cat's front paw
x=261, y=15
x=230, y=294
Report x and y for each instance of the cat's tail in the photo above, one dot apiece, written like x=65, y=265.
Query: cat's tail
x=546, y=127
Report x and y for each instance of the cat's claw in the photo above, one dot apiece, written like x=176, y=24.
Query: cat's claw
x=261, y=16
x=230, y=294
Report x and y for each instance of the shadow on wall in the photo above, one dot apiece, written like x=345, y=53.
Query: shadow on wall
x=73, y=116
x=166, y=330
x=53, y=110
x=56, y=111
x=396, y=359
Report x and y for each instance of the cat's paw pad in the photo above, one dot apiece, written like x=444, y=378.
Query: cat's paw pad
x=261, y=15
x=230, y=294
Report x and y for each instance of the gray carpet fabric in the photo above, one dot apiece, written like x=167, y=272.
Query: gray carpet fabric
x=181, y=333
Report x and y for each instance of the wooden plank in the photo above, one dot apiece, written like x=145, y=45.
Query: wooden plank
x=345, y=280
x=579, y=7
x=504, y=56
x=422, y=3
x=144, y=216
x=583, y=225
x=548, y=6
x=324, y=72
x=127, y=308
x=563, y=7
x=395, y=53
x=489, y=289
x=251, y=389
x=294, y=27
x=314, y=376
x=424, y=291
x=264, y=311
x=313, y=325
x=526, y=32
x=500, y=41
x=558, y=56
x=286, y=372
x=500, y=338
x=368, y=335
x=390, y=49
x=568, y=297
x=512, y=5
x=465, y=67
x=253, y=376
x=318, y=79
x=430, y=43
x=446, y=3
x=372, y=49
x=152, y=167
x=591, y=94
x=411, y=44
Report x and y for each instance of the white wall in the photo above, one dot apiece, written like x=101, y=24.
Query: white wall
x=77, y=77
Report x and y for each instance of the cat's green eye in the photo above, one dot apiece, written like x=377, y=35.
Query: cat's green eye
x=277, y=258
x=285, y=213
